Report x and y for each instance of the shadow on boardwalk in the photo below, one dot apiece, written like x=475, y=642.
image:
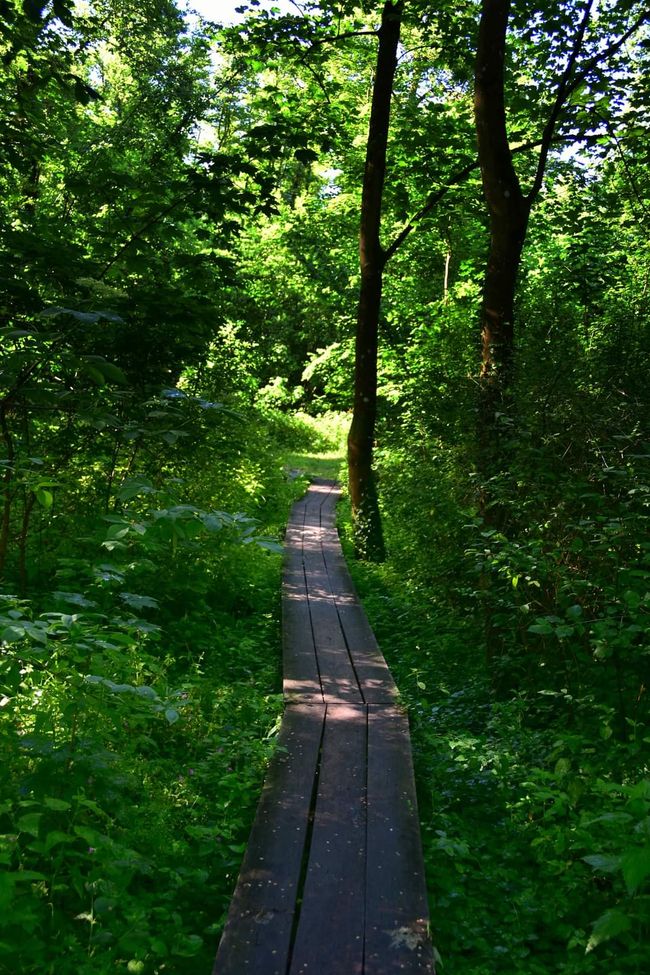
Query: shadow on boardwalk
x=332, y=881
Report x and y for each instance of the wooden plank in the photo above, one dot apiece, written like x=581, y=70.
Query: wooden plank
x=301, y=680
x=257, y=936
x=319, y=495
x=373, y=675
x=329, y=937
x=301, y=675
x=297, y=514
x=372, y=671
x=396, y=934
x=337, y=675
x=328, y=507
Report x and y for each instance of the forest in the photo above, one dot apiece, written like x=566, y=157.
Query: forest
x=192, y=323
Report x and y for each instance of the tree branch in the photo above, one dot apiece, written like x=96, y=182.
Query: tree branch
x=608, y=51
x=563, y=91
x=332, y=38
x=436, y=196
x=138, y=233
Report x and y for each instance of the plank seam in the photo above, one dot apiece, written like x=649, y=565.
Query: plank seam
x=343, y=633
x=307, y=847
x=331, y=524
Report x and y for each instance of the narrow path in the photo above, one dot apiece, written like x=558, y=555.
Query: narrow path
x=332, y=881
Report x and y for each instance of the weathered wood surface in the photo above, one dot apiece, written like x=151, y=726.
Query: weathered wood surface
x=329, y=936
x=332, y=881
x=257, y=935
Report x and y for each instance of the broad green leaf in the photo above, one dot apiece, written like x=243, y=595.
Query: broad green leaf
x=63, y=12
x=608, y=925
x=306, y=156
x=135, y=486
x=7, y=885
x=74, y=598
x=544, y=629
x=29, y=823
x=12, y=634
x=139, y=602
x=607, y=864
x=636, y=867
x=60, y=805
x=44, y=497
x=34, y=9
x=55, y=838
x=95, y=374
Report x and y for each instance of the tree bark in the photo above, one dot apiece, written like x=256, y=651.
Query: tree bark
x=368, y=535
x=508, y=212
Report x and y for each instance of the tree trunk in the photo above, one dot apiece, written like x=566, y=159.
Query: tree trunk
x=508, y=213
x=369, y=542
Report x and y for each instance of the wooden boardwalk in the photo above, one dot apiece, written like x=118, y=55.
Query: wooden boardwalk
x=332, y=881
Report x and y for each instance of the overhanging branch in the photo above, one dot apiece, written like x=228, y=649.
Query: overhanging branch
x=563, y=92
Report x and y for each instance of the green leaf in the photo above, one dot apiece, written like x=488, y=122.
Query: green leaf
x=636, y=867
x=268, y=544
x=94, y=374
x=608, y=925
x=562, y=766
x=29, y=823
x=63, y=12
x=172, y=715
x=44, y=497
x=55, y=838
x=7, y=884
x=604, y=863
x=60, y=805
x=85, y=93
x=108, y=370
x=135, y=486
x=563, y=631
x=544, y=629
x=34, y=9
x=139, y=602
x=74, y=598
x=12, y=634
x=306, y=156
x=89, y=835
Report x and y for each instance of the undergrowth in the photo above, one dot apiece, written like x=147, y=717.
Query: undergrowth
x=534, y=793
x=139, y=699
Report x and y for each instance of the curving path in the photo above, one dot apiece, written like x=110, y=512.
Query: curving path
x=332, y=881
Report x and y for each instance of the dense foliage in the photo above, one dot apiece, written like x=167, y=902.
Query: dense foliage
x=179, y=207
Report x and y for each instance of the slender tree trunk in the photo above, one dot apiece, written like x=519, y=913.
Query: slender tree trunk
x=28, y=507
x=508, y=213
x=7, y=481
x=508, y=207
x=369, y=542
